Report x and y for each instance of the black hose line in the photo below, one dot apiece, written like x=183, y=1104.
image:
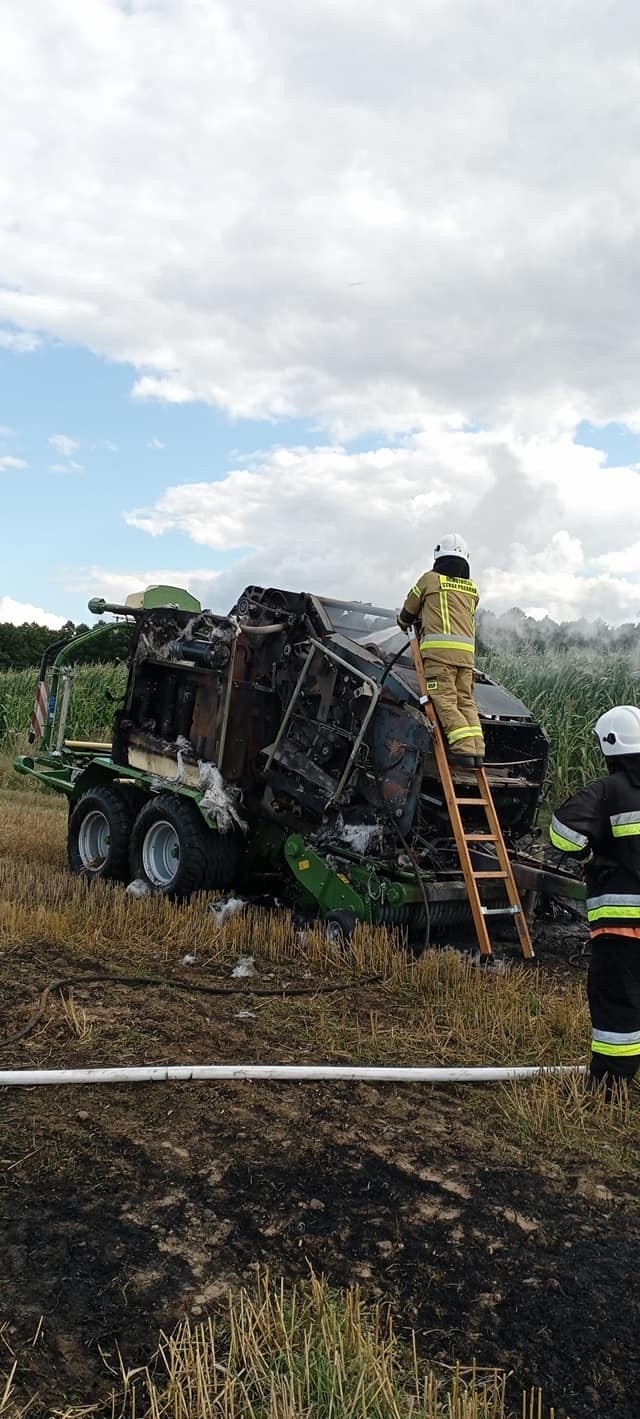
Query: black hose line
x=194, y=987
x=391, y=664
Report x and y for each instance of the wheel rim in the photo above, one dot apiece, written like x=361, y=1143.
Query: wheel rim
x=161, y=854
x=94, y=840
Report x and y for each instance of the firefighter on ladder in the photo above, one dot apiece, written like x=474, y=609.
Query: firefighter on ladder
x=443, y=602
x=600, y=826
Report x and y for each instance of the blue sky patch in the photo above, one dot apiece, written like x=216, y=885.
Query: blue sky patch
x=618, y=441
x=66, y=509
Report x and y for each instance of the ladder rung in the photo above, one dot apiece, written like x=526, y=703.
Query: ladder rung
x=484, y=801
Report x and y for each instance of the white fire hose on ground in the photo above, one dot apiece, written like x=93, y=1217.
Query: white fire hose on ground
x=300, y=1073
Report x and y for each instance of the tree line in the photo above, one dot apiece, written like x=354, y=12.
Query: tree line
x=22, y=647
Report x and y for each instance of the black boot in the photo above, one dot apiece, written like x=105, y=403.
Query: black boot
x=460, y=761
x=611, y=1082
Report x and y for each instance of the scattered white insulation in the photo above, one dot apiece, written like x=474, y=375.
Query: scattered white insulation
x=139, y=888
x=209, y=630
x=218, y=800
x=224, y=911
x=246, y=966
x=150, y=648
x=361, y=837
x=363, y=1074
x=184, y=747
x=156, y=644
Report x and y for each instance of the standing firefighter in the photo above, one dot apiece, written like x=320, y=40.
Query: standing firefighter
x=600, y=826
x=443, y=602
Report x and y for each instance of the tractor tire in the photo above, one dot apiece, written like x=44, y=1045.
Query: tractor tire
x=340, y=926
x=170, y=847
x=222, y=861
x=99, y=831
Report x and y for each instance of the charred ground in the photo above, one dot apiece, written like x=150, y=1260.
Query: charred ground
x=125, y=1209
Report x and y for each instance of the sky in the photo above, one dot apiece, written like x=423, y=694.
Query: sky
x=289, y=290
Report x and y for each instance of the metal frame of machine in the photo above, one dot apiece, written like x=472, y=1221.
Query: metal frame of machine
x=281, y=750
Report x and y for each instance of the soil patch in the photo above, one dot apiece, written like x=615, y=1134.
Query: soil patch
x=123, y=1209
x=150, y=1205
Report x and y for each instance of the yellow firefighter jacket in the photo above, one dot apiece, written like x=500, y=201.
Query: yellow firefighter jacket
x=445, y=606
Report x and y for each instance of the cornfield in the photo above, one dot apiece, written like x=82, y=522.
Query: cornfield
x=91, y=709
x=566, y=692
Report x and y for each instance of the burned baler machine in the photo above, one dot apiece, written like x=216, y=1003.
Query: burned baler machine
x=297, y=701
x=289, y=711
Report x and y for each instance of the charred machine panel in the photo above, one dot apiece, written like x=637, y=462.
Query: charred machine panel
x=292, y=728
x=295, y=699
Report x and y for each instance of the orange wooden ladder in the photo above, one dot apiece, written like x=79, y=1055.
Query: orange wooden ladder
x=493, y=838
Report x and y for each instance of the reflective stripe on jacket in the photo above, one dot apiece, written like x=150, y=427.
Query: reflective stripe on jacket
x=445, y=607
x=600, y=826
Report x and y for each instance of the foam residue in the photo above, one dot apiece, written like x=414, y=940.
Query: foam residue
x=139, y=888
x=245, y=967
x=184, y=747
x=362, y=837
x=225, y=910
x=218, y=800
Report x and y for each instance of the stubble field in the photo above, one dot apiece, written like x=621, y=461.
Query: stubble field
x=299, y=1251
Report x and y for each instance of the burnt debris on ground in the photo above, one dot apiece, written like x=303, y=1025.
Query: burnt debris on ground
x=130, y=1211
x=124, y=1209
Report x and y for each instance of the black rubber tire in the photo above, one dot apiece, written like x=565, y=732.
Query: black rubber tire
x=118, y=807
x=222, y=859
x=340, y=925
x=193, y=836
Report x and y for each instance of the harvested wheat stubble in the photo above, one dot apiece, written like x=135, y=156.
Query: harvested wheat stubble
x=130, y=1217
x=481, y=1221
x=291, y=1352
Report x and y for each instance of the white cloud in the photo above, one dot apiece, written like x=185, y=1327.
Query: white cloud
x=115, y=586
x=7, y=462
x=69, y=467
x=626, y=561
x=155, y=443
x=415, y=217
x=64, y=445
x=560, y=576
x=358, y=213
x=19, y=611
x=364, y=524
x=168, y=389
x=22, y=342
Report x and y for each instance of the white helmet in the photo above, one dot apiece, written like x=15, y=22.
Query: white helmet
x=451, y=545
x=618, y=730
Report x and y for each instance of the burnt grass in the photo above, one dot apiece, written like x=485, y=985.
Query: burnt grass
x=123, y=1209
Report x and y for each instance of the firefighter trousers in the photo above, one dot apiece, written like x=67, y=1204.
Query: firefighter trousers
x=451, y=689
x=613, y=990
